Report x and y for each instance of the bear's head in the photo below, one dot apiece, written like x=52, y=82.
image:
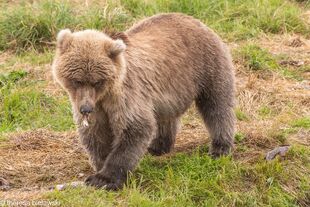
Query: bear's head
x=88, y=65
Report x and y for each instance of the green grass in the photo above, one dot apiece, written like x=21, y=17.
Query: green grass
x=24, y=106
x=239, y=136
x=27, y=60
x=235, y=19
x=34, y=25
x=255, y=58
x=281, y=135
x=301, y=123
x=34, y=58
x=241, y=116
x=197, y=180
x=25, y=26
x=291, y=128
x=12, y=77
x=3, y=138
x=265, y=111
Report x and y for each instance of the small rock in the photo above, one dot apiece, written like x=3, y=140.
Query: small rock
x=62, y=187
x=277, y=151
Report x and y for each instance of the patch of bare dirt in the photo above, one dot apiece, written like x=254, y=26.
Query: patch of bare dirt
x=4, y=56
x=294, y=46
x=296, y=49
x=191, y=137
x=36, y=159
x=286, y=99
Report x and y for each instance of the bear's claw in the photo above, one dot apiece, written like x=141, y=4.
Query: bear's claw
x=100, y=181
x=223, y=149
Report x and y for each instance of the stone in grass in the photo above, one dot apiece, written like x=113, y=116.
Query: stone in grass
x=277, y=151
x=65, y=186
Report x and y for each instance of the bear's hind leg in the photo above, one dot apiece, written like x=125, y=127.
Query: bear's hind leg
x=165, y=138
x=216, y=108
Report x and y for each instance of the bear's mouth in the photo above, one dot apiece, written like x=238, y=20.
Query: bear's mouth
x=85, y=121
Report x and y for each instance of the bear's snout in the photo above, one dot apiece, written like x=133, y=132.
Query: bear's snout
x=86, y=109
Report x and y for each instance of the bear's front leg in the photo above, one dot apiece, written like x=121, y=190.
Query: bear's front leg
x=125, y=155
x=97, y=140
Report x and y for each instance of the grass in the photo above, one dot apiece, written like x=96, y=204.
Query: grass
x=25, y=26
x=255, y=58
x=12, y=77
x=268, y=115
x=241, y=116
x=197, y=180
x=27, y=109
x=265, y=111
x=291, y=128
x=239, y=136
x=26, y=61
x=282, y=135
x=301, y=123
x=23, y=106
x=34, y=25
x=235, y=19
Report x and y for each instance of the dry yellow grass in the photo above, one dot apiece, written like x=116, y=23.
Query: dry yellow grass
x=40, y=158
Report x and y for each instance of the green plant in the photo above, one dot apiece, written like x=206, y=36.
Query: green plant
x=241, y=116
x=256, y=58
x=302, y=123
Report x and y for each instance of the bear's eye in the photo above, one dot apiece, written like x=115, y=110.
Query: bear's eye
x=77, y=83
x=97, y=84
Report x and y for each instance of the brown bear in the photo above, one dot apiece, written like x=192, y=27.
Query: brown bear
x=129, y=90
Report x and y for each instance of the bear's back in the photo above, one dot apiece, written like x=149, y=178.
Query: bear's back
x=166, y=21
x=170, y=56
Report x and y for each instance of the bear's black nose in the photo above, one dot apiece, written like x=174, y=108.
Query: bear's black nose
x=86, y=109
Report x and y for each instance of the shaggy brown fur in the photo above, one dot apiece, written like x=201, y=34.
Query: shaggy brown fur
x=133, y=93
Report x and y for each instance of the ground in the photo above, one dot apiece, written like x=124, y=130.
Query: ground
x=270, y=43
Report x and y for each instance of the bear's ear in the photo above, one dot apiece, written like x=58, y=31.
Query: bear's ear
x=120, y=35
x=116, y=48
x=64, y=39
